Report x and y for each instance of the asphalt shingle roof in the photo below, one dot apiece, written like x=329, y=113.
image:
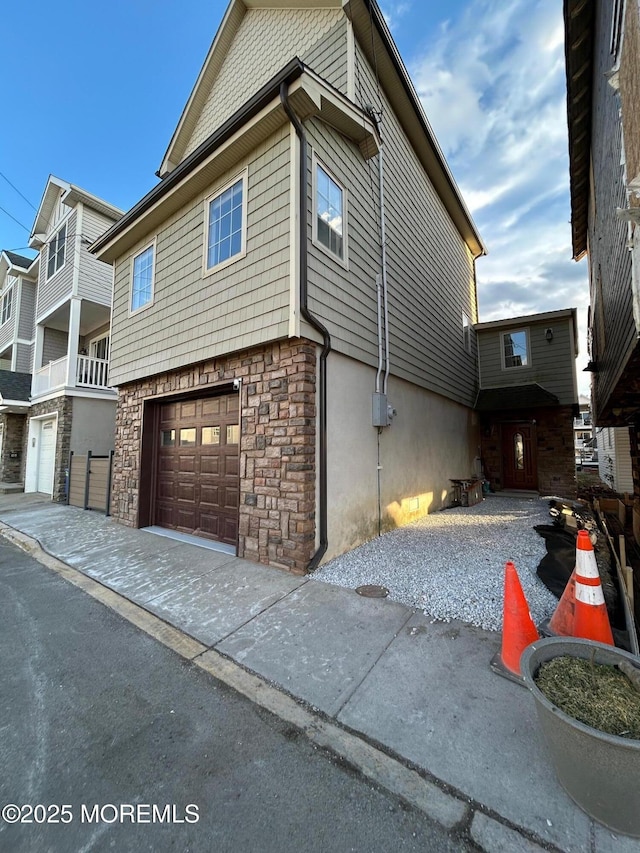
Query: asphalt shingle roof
x=15, y=386
x=18, y=260
x=515, y=397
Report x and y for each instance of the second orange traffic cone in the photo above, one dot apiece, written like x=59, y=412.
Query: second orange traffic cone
x=518, y=629
x=591, y=620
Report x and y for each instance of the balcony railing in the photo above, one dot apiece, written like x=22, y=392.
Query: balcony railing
x=90, y=373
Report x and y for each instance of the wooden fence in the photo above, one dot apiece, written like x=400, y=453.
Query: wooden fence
x=89, y=483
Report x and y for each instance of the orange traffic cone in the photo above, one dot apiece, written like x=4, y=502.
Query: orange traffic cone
x=518, y=630
x=562, y=622
x=591, y=618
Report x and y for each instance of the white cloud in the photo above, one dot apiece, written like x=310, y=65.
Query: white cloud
x=493, y=87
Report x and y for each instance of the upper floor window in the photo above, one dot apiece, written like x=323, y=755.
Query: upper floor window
x=57, y=246
x=7, y=303
x=226, y=224
x=466, y=333
x=329, y=216
x=515, y=349
x=142, y=279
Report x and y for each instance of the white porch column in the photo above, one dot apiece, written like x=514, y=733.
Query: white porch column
x=75, y=307
x=38, y=350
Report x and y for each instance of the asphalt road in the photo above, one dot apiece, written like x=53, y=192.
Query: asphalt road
x=110, y=741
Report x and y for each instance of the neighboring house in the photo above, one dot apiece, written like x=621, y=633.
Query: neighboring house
x=583, y=438
x=614, y=458
x=527, y=400
x=294, y=302
x=18, y=280
x=603, y=83
x=72, y=404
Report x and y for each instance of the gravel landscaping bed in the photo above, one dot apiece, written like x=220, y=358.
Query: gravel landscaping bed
x=451, y=564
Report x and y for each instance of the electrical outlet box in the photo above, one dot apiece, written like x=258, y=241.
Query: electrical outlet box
x=380, y=410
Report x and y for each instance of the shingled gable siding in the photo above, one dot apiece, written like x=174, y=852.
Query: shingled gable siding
x=551, y=364
x=430, y=268
x=277, y=446
x=95, y=279
x=194, y=316
x=266, y=40
x=53, y=290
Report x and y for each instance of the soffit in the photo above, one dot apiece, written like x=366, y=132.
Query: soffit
x=579, y=27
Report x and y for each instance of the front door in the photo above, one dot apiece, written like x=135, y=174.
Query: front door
x=519, y=469
x=46, y=456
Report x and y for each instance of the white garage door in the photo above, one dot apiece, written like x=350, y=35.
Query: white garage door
x=46, y=456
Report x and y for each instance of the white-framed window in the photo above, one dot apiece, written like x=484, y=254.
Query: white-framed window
x=7, y=305
x=142, y=274
x=329, y=213
x=466, y=333
x=515, y=349
x=57, y=251
x=226, y=224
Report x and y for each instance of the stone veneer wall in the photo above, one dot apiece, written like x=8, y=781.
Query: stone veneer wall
x=11, y=467
x=554, y=448
x=64, y=407
x=277, y=446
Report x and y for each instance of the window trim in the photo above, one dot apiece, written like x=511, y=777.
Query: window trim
x=7, y=293
x=63, y=224
x=104, y=336
x=240, y=176
x=502, y=354
x=343, y=261
x=134, y=311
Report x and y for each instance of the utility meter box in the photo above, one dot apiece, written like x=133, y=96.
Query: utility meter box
x=380, y=407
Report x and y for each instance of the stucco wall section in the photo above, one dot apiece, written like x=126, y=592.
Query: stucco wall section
x=277, y=446
x=431, y=439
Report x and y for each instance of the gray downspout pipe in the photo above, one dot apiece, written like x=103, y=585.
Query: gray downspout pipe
x=313, y=321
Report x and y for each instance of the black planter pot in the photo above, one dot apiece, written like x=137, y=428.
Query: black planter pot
x=599, y=771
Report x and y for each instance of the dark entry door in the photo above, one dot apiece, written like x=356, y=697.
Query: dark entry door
x=197, y=485
x=519, y=470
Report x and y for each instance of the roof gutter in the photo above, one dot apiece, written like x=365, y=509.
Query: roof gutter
x=313, y=321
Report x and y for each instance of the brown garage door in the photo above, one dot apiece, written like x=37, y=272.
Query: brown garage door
x=197, y=485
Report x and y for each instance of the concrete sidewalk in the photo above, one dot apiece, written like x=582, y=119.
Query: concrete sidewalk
x=420, y=690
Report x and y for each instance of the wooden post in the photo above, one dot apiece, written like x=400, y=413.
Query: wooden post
x=69, y=477
x=86, y=480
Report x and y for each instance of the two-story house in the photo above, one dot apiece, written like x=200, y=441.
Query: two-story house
x=603, y=87
x=528, y=398
x=292, y=334
x=18, y=281
x=72, y=403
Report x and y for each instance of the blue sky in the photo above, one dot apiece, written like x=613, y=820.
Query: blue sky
x=92, y=94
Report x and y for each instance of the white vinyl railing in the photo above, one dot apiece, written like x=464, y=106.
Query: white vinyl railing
x=53, y=375
x=92, y=372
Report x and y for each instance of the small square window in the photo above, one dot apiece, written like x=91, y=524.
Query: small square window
x=188, y=437
x=233, y=434
x=515, y=349
x=168, y=438
x=329, y=213
x=57, y=246
x=211, y=435
x=226, y=224
x=142, y=279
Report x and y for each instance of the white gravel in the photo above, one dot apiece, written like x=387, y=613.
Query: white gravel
x=451, y=564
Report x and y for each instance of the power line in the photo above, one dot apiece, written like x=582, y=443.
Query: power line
x=18, y=191
x=28, y=230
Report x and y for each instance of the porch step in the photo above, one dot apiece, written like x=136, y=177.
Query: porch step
x=10, y=488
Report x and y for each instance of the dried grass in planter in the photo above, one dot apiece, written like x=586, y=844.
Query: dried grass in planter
x=598, y=695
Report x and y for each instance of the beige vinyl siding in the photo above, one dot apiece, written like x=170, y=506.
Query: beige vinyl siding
x=26, y=315
x=95, y=279
x=266, y=40
x=195, y=317
x=430, y=269
x=60, y=285
x=54, y=347
x=551, y=363
x=328, y=56
x=23, y=358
